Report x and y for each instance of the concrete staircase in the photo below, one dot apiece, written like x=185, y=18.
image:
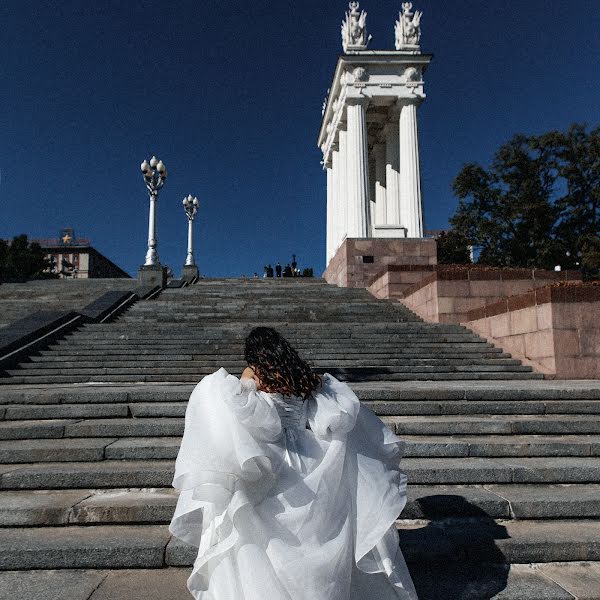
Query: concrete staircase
x=187, y=333
x=504, y=469
x=18, y=300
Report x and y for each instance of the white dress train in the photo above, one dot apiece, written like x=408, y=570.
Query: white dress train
x=282, y=512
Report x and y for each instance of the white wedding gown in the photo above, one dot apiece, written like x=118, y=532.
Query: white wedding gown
x=282, y=512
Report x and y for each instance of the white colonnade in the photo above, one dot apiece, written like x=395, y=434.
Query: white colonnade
x=369, y=135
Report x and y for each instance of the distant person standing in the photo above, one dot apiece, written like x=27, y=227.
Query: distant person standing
x=287, y=272
x=269, y=271
x=265, y=272
x=278, y=269
x=294, y=265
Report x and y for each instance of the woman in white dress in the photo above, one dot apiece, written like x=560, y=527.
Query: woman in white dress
x=289, y=487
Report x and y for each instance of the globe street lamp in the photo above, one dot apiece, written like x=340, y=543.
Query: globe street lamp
x=190, y=206
x=155, y=175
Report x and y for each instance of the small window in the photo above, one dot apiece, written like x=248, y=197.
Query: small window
x=368, y=259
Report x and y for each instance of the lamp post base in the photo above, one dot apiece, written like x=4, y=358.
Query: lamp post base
x=189, y=272
x=152, y=275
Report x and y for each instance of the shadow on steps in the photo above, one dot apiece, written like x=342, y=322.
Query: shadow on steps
x=455, y=558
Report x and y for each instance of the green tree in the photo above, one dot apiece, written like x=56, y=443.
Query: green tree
x=453, y=248
x=3, y=256
x=576, y=156
x=22, y=259
x=507, y=211
x=538, y=204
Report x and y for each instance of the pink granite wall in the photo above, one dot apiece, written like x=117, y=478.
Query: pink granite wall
x=448, y=294
x=555, y=329
x=360, y=261
x=396, y=279
x=425, y=301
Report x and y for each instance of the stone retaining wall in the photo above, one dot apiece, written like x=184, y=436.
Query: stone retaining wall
x=359, y=261
x=448, y=294
x=555, y=329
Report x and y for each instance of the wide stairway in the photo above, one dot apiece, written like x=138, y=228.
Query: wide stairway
x=189, y=332
x=504, y=468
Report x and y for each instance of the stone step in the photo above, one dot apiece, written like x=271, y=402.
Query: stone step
x=501, y=446
x=119, y=427
x=79, y=351
x=164, y=447
x=221, y=334
x=272, y=305
x=96, y=584
x=502, y=470
x=174, y=353
x=25, y=508
x=494, y=424
x=532, y=393
x=151, y=546
x=81, y=411
x=384, y=342
x=376, y=322
x=80, y=449
x=87, y=507
x=19, y=378
x=260, y=319
x=550, y=581
x=300, y=330
x=239, y=364
x=424, y=471
x=356, y=371
x=199, y=369
x=176, y=408
x=431, y=425
x=479, y=407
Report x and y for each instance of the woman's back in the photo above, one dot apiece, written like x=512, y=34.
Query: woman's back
x=289, y=487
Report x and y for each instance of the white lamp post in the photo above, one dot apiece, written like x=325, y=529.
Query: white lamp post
x=155, y=175
x=190, y=206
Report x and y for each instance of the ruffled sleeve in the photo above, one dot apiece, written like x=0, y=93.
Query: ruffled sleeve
x=378, y=487
x=223, y=453
x=332, y=409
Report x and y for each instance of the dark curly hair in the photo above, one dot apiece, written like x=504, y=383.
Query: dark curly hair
x=278, y=365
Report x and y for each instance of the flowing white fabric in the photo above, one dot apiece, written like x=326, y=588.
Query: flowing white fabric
x=280, y=511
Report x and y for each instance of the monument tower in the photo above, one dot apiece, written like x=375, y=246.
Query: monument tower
x=369, y=135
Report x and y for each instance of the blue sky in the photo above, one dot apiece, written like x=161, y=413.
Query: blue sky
x=229, y=95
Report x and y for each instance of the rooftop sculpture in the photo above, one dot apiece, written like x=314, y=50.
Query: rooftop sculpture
x=408, y=28
x=354, y=29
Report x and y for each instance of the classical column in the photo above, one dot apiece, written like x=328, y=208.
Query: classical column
x=342, y=188
x=392, y=175
x=380, y=198
x=330, y=214
x=410, y=175
x=358, y=170
x=372, y=189
x=335, y=220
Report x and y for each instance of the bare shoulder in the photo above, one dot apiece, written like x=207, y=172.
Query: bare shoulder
x=250, y=374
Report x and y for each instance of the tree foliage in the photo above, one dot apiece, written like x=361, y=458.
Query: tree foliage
x=21, y=259
x=453, y=248
x=538, y=205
